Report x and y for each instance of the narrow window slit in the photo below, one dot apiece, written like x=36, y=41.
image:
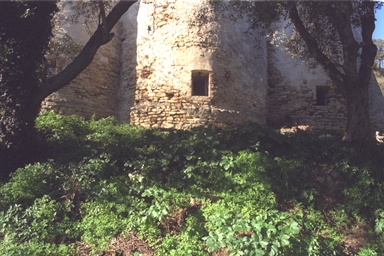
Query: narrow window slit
x=321, y=95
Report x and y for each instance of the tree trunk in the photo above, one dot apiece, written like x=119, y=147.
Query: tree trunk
x=20, y=142
x=358, y=121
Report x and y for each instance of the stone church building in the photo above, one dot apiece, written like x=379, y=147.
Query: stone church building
x=181, y=63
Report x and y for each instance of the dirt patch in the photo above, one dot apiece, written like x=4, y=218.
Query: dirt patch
x=356, y=238
x=128, y=245
x=119, y=246
x=173, y=222
x=353, y=243
x=83, y=249
x=220, y=252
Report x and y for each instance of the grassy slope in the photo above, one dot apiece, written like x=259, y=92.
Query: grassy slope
x=111, y=188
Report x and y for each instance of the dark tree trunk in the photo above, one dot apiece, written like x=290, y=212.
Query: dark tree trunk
x=357, y=129
x=20, y=143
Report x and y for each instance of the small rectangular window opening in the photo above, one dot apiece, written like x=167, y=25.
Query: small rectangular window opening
x=200, y=83
x=50, y=68
x=321, y=96
x=50, y=72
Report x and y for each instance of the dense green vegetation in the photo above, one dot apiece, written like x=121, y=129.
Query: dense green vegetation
x=105, y=187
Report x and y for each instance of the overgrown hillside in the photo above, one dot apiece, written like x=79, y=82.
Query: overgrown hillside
x=112, y=189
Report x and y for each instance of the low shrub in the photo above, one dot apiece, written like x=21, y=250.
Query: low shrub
x=242, y=191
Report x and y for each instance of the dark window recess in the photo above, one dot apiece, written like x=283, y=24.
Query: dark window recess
x=50, y=72
x=50, y=69
x=199, y=83
x=321, y=96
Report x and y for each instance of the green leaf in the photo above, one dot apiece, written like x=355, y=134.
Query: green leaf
x=294, y=227
x=274, y=249
x=263, y=243
x=259, y=252
x=237, y=228
x=284, y=239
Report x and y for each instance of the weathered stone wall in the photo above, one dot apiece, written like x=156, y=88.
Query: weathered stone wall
x=95, y=90
x=144, y=75
x=175, y=38
x=292, y=93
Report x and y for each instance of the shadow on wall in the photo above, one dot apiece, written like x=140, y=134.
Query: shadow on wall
x=128, y=61
x=376, y=106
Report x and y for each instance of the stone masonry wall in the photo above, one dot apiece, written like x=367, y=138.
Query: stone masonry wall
x=175, y=38
x=144, y=75
x=95, y=90
x=292, y=94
